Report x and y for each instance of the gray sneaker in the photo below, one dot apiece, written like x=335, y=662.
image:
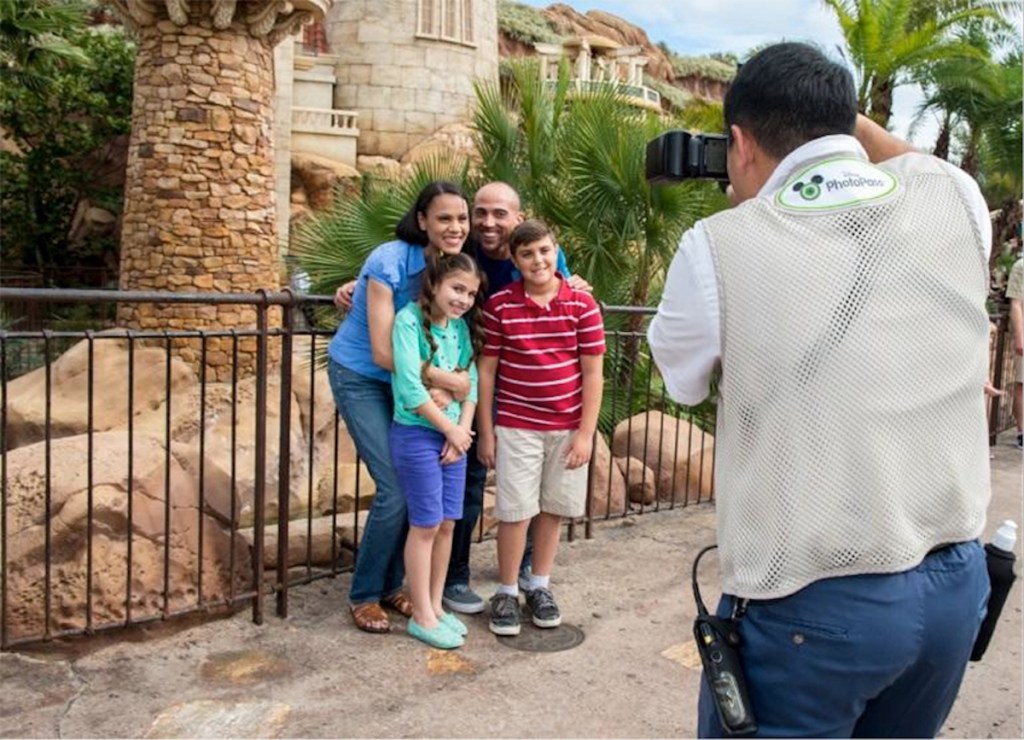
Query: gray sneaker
x=461, y=598
x=543, y=608
x=505, y=615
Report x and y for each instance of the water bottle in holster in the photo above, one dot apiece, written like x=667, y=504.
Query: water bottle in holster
x=1000, y=560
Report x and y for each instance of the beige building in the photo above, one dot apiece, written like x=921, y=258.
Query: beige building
x=407, y=67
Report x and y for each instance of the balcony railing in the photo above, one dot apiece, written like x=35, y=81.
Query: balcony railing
x=325, y=120
x=635, y=94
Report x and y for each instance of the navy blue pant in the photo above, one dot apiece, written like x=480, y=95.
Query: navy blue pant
x=861, y=656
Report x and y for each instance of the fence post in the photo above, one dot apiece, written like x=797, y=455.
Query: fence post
x=284, y=456
x=260, y=479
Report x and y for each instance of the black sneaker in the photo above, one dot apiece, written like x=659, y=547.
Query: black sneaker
x=543, y=608
x=505, y=615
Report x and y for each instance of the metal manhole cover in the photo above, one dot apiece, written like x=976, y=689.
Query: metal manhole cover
x=534, y=640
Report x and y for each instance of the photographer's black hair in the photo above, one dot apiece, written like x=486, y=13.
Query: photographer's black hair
x=408, y=229
x=528, y=232
x=789, y=94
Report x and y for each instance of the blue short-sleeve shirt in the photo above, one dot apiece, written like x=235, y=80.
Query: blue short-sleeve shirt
x=397, y=265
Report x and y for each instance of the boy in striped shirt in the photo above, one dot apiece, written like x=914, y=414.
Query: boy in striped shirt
x=545, y=345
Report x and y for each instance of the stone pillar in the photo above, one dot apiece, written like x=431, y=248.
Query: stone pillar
x=200, y=205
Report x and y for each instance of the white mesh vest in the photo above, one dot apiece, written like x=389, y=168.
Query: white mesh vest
x=851, y=428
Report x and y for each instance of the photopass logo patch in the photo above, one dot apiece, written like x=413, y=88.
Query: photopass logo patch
x=810, y=190
x=834, y=184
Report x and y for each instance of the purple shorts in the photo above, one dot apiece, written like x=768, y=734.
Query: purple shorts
x=433, y=492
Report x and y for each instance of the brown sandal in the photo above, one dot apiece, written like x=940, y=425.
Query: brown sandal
x=369, y=616
x=400, y=603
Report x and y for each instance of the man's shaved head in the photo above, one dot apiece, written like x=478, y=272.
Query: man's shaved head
x=495, y=213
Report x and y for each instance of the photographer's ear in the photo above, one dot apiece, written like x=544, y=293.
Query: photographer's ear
x=744, y=161
x=740, y=150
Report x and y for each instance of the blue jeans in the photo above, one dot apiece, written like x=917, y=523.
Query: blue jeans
x=861, y=656
x=367, y=406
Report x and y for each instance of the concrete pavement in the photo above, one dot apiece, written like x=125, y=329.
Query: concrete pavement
x=313, y=675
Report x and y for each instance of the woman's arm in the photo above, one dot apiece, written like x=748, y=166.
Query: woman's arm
x=380, y=316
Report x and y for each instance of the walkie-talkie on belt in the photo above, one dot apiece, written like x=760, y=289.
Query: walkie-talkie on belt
x=718, y=643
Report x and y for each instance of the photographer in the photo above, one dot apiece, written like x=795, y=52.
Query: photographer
x=844, y=302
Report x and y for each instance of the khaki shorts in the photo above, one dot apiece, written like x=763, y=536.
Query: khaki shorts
x=532, y=477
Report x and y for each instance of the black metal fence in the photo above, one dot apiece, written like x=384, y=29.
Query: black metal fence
x=139, y=487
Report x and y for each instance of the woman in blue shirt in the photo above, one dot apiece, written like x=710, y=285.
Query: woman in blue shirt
x=360, y=366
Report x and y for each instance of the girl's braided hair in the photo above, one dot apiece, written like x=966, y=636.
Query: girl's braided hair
x=439, y=267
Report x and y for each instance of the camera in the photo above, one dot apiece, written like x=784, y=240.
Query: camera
x=679, y=155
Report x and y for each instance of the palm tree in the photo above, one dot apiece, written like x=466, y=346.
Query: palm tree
x=34, y=40
x=331, y=246
x=579, y=165
x=889, y=40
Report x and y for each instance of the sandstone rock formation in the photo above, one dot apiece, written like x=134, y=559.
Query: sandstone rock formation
x=318, y=178
x=680, y=454
x=69, y=380
x=641, y=481
x=211, y=429
x=569, y=22
x=382, y=168
x=136, y=541
x=607, y=486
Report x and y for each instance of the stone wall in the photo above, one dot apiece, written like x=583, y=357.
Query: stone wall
x=405, y=88
x=200, y=197
x=284, y=83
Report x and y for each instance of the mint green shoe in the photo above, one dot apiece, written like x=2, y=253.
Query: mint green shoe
x=455, y=624
x=439, y=637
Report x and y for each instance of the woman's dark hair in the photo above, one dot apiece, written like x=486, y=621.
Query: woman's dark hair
x=438, y=268
x=408, y=229
x=789, y=94
x=528, y=232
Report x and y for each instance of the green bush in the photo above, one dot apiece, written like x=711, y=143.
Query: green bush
x=706, y=67
x=677, y=97
x=61, y=130
x=525, y=23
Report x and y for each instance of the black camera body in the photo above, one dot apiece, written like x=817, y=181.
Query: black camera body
x=679, y=155
x=718, y=643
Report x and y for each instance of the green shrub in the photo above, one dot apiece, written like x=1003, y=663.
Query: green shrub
x=525, y=23
x=706, y=67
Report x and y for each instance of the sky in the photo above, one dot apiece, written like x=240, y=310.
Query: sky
x=696, y=27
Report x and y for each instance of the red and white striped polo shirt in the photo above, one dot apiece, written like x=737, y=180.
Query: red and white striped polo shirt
x=540, y=381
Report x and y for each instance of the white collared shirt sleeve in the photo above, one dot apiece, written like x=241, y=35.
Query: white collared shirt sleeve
x=685, y=334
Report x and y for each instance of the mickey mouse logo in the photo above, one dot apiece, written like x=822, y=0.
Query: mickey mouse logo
x=810, y=190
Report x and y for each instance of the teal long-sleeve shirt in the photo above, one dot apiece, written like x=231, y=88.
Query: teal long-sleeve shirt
x=411, y=348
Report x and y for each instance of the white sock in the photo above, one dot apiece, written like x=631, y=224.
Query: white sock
x=537, y=581
x=512, y=590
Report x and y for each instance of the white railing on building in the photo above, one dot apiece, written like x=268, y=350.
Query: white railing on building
x=325, y=120
x=640, y=94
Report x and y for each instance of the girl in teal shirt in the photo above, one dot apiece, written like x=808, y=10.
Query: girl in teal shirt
x=428, y=443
